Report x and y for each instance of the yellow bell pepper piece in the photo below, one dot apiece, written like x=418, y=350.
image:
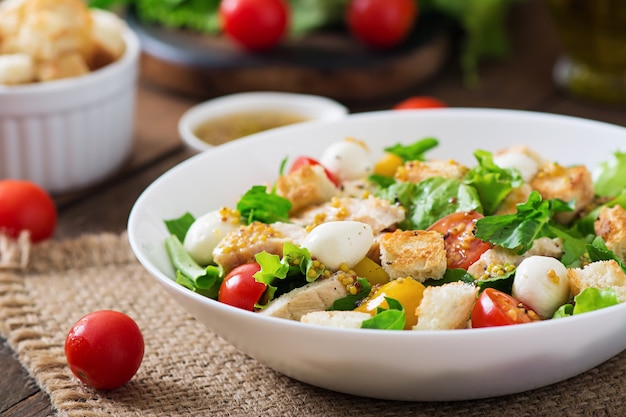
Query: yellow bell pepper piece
x=407, y=291
x=369, y=269
x=388, y=164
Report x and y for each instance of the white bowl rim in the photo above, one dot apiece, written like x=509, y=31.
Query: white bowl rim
x=322, y=108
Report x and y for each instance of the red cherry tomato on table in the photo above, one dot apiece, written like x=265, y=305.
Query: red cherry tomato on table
x=496, y=308
x=24, y=205
x=104, y=349
x=462, y=247
x=257, y=25
x=420, y=102
x=381, y=24
x=305, y=160
x=240, y=288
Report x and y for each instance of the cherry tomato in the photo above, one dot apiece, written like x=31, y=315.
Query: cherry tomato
x=420, y=102
x=381, y=24
x=305, y=160
x=104, y=349
x=257, y=25
x=496, y=308
x=462, y=247
x=240, y=288
x=24, y=205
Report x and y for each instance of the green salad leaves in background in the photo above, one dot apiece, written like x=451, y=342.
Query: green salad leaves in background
x=482, y=22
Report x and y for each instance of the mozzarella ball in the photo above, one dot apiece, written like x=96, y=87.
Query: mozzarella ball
x=542, y=284
x=334, y=243
x=525, y=164
x=348, y=160
x=205, y=233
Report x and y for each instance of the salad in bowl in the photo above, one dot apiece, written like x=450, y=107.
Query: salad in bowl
x=423, y=233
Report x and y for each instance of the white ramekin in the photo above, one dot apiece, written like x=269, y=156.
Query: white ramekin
x=70, y=133
x=311, y=107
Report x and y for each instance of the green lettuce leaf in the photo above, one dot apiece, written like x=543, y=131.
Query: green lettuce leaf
x=180, y=226
x=492, y=182
x=610, y=176
x=589, y=299
x=203, y=280
x=431, y=200
x=281, y=275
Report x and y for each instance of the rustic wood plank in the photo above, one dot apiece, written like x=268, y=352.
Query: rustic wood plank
x=15, y=384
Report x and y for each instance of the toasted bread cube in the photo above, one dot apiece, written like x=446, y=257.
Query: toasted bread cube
x=447, y=307
x=65, y=66
x=611, y=226
x=341, y=319
x=16, y=69
x=418, y=254
x=306, y=186
x=565, y=183
x=599, y=274
x=416, y=171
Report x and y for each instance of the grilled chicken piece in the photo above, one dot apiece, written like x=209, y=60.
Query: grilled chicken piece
x=378, y=213
x=316, y=296
x=239, y=246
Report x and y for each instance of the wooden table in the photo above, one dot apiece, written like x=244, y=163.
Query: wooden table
x=521, y=81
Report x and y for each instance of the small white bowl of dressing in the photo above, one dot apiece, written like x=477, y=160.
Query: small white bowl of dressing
x=226, y=118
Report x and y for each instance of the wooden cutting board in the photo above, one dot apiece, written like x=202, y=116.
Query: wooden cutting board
x=328, y=63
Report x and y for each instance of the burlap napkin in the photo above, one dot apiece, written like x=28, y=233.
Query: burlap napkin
x=189, y=371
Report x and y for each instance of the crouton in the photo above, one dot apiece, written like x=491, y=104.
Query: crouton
x=413, y=253
x=16, y=69
x=611, y=227
x=417, y=171
x=599, y=274
x=446, y=307
x=565, y=183
x=316, y=296
x=305, y=187
x=341, y=319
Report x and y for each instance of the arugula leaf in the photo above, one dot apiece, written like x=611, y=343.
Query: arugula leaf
x=415, y=151
x=393, y=318
x=518, y=231
x=349, y=302
x=589, y=299
x=492, y=182
x=430, y=200
x=188, y=273
x=180, y=226
x=259, y=205
x=610, y=176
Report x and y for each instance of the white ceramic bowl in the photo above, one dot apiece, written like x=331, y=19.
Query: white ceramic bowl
x=409, y=365
x=310, y=107
x=70, y=133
